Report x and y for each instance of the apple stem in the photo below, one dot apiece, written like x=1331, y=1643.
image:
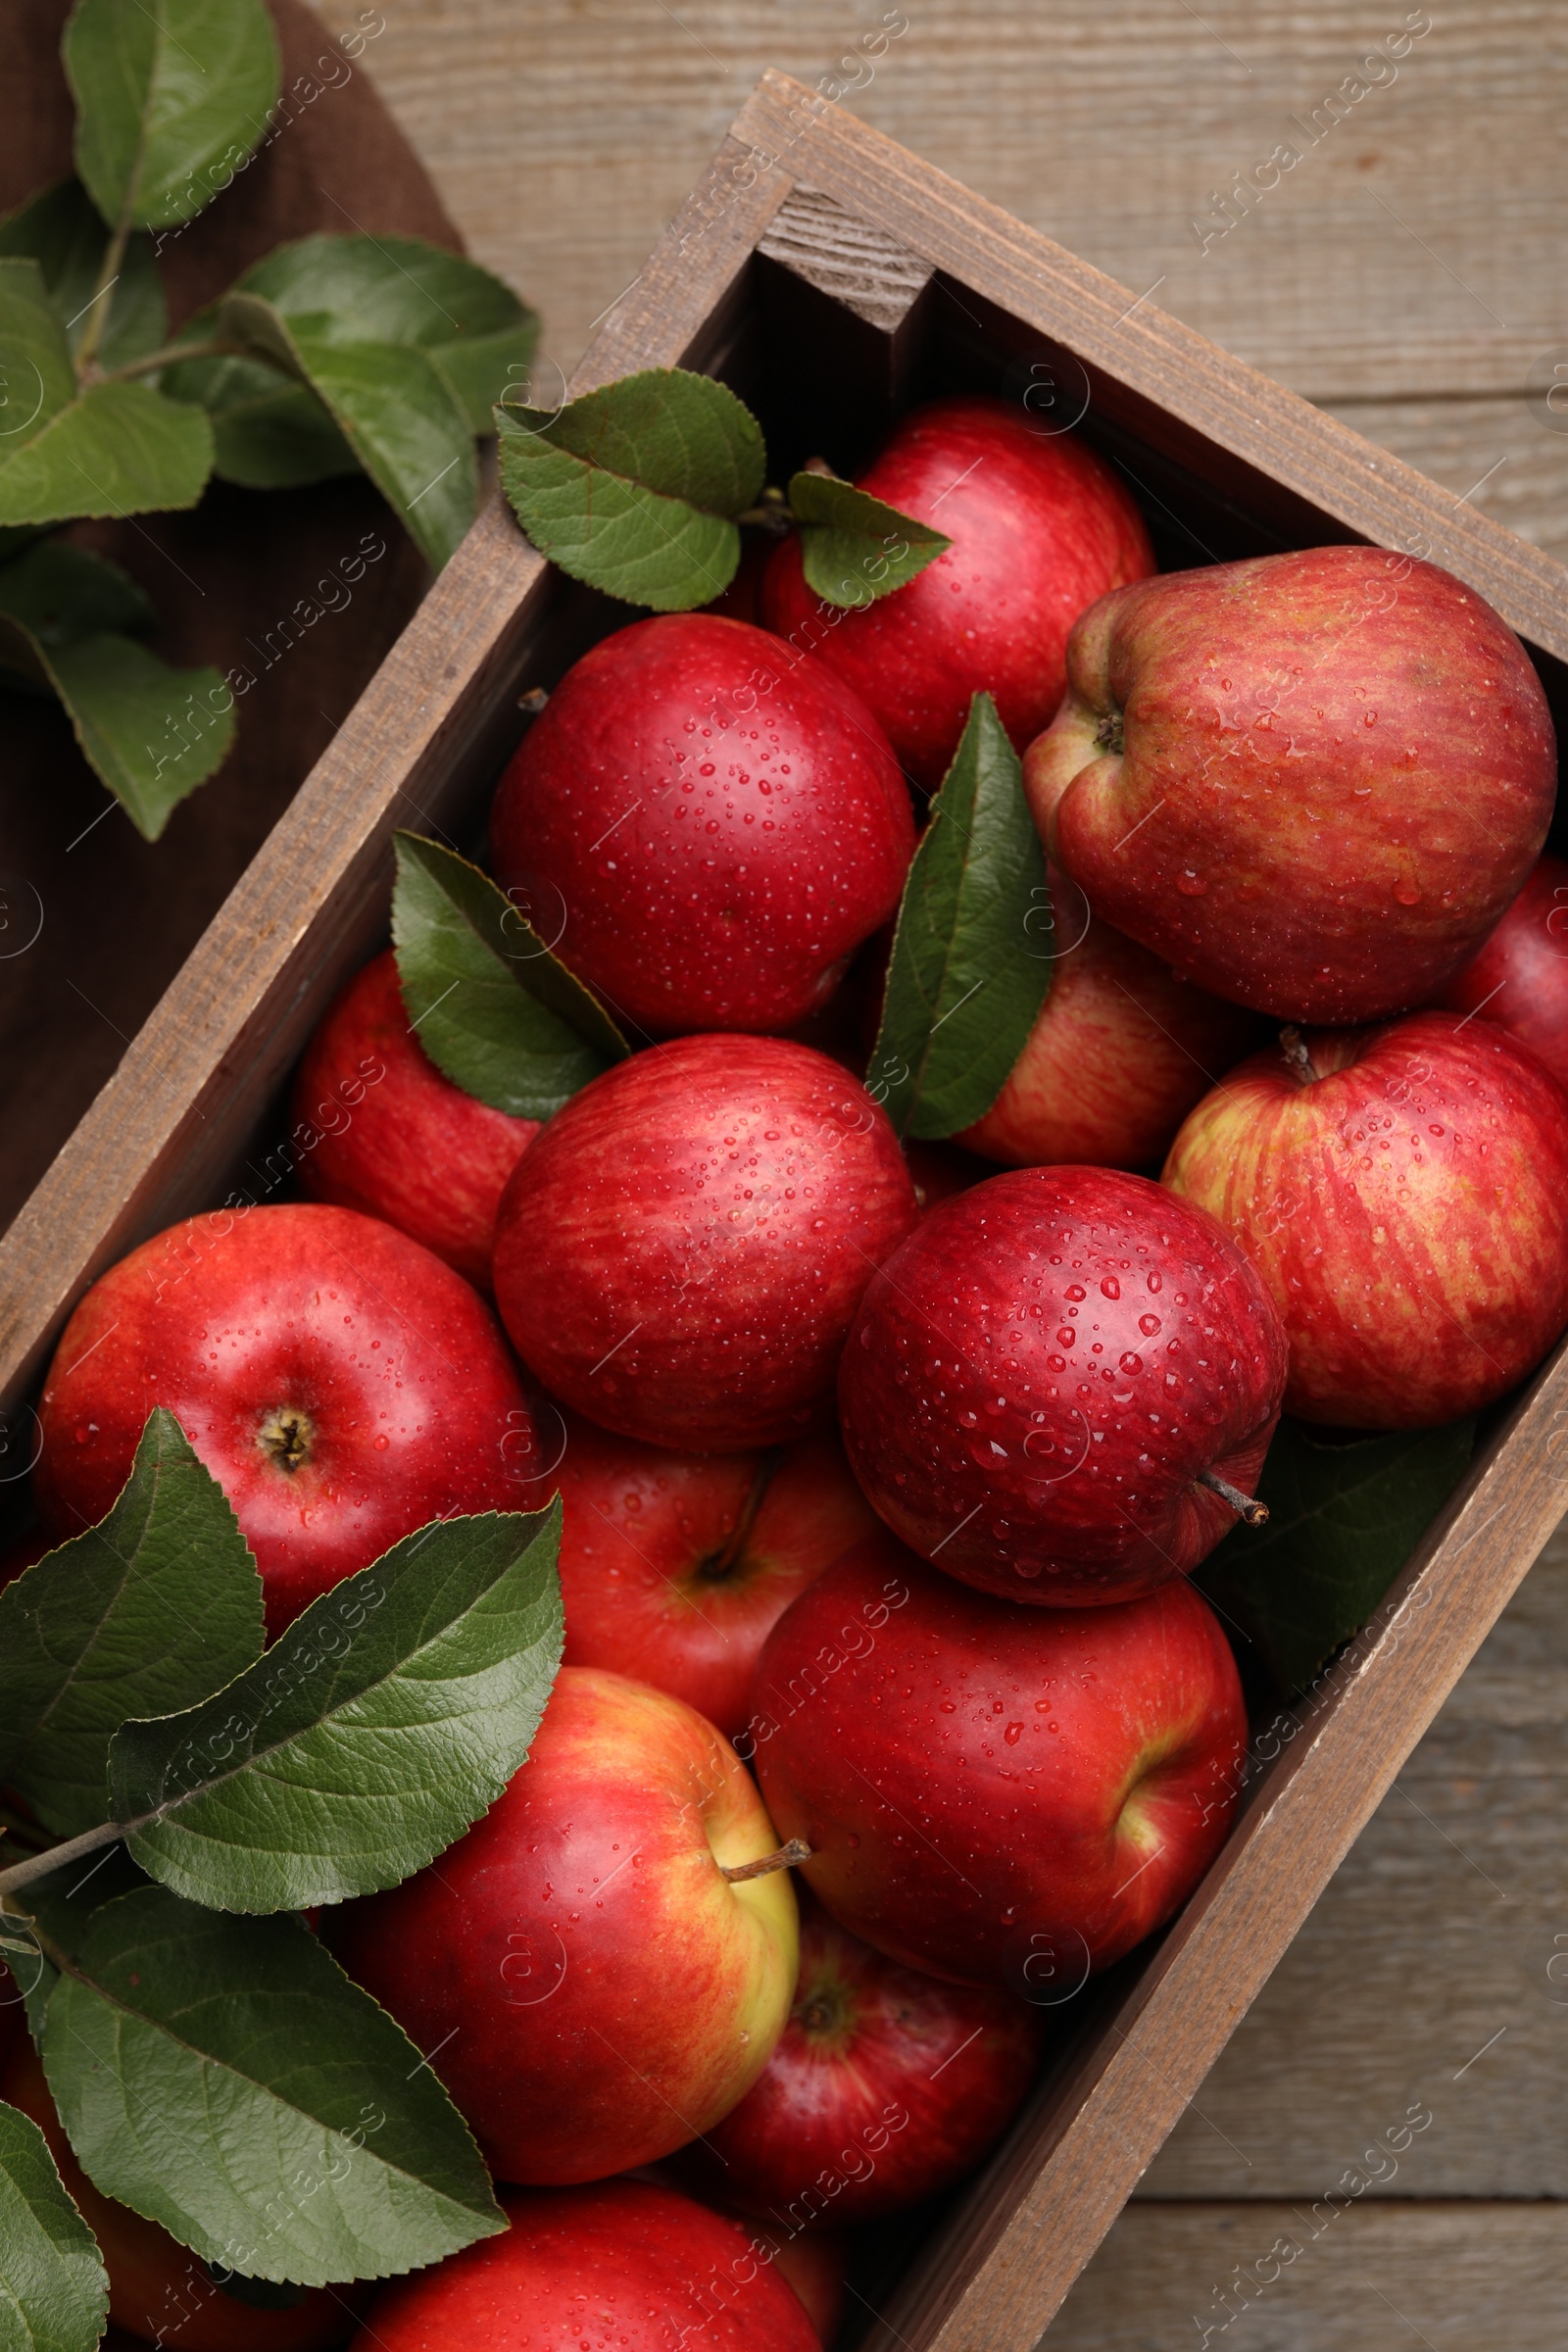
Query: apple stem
x=1292, y=1044
x=534, y=701
x=724, y=1560
x=785, y=1859
x=1246, y=1506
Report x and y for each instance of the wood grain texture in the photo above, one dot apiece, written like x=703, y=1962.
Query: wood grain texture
x=424, y=739
x=1496, y=455
x=1415, y=247
x=1461, y=2276
x=1444, y=1930
x=863, y=268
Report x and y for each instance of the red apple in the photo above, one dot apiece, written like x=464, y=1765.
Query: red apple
x=375, y=1126
x=1040, y=526
x=815, y=2262
x=816, y=2267
x=886, y=2086
x=1039, y=1377
x=1119, y=1054
x=993, y=1794
x=705, y=832
x=1404, y=1193
x=157, y=2288
x=341, y=1384
x=682, y=1251
x=597, y=1988
x=676, y=1567
x=627, y=2264
x=1338, y=767
x=1519, y=979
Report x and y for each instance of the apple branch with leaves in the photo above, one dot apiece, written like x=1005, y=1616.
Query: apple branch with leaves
x=229, y=1787
x=333, y=355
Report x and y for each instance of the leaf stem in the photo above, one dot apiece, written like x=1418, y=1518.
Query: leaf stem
x=55, y=1857
x=150, y=360
x=102, y=295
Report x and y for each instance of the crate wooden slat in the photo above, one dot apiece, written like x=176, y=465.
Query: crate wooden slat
x=891, y=268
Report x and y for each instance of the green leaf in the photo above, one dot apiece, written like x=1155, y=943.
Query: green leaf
x=349, y=292
x=970, y=964
x=224, y=2077
x=391, y=405
x=54, y=2289
x=389, y=290
x=155, y=1608
x=171, y=96
x=149, y=732
x=495, y=1010
x=269, y=432
x=373, y=1731
x=634, y=488
x=57, y=595
x=61, y=230
x=38, y=380
x=853, y=547
x=1343, y=1518
x=479, y=370
x=120, y=449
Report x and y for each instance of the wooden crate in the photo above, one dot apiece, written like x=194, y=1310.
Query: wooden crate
x=831, y=276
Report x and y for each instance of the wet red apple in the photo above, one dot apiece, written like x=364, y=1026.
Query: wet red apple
x=375, y=1126
x=1040, y=526
x=1519, y=978
x=704, y=832
x=887, y=2085
x=1045, y=1379
x=680, y=1252
x=1119, y=1053
x=1311, y=782
x=642, y=2267
x=676, y=1567
x=1404, y=1193
x=597, y=1988
x=342, y=1385
x=998, y=1796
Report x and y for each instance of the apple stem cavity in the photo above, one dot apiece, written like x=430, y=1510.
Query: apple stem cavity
x=1292, y=1044
x=784, y=1857
x=718, y=1564
x=1246, y=1506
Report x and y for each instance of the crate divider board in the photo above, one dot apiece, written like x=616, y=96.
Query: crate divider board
x=891, y=268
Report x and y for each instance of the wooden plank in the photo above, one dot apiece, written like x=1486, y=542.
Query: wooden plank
x=1444, y=1934
x=564, y=139
x=860, y=267
x=1496, y=454
x=1453, y=2276
x=160, y=1137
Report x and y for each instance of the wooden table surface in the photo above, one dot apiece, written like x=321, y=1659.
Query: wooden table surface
x=1405, y=271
